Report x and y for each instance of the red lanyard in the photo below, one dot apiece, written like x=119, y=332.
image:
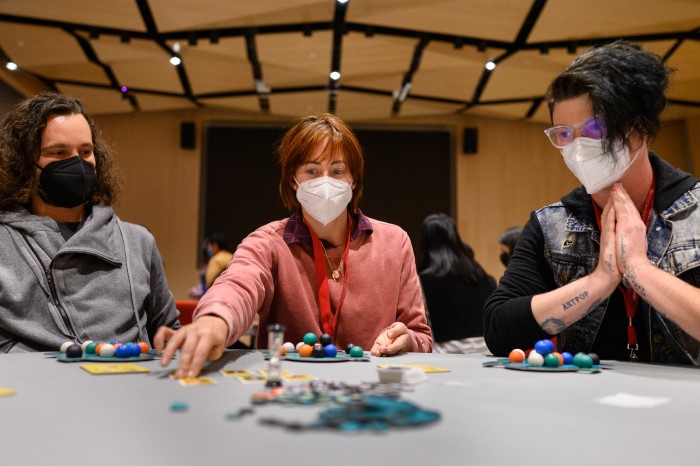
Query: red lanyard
x=630, y=296
x=324, y=299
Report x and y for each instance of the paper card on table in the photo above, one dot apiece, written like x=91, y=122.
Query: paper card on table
x=426, y=369
x=6, y=392
x=297, y=377
x=120, y=368
x=234, y=372
x=252, y=378
x=283, y=373
x=196, y=381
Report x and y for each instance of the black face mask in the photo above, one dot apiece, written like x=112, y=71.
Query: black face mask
x=67, y=183
x=505, y=258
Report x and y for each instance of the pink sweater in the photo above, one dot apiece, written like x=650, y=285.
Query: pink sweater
x=278, y=281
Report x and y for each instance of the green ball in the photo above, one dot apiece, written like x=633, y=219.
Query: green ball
x=310, y=339
x=551, y=360
x=90, y=348
x=583, y=361
x=356, y=352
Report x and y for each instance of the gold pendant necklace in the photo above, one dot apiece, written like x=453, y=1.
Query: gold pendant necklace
x=335, y=273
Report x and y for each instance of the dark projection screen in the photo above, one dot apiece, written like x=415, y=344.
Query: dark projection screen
x=409, y=173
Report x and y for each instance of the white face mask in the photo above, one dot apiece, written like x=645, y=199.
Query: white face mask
x=595, y=168
x=324, y=198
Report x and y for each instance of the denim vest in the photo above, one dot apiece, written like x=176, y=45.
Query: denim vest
x=673, y=246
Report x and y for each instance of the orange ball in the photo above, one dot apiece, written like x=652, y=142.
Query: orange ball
x=517, y=355
x=283, y=351
x=305, y=350
x=144, y=347
x=559, y=357
x=98, y=348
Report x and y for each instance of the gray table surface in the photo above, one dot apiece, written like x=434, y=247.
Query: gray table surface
x=62, y=415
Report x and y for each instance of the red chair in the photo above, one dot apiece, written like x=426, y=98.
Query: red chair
x=186, y=309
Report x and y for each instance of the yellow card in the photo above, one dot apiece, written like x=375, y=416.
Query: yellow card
x=119, y=368
x=297, y=377
x=252, y=378
x=6, y=392
x=196, y=381
x=233, y=372
x=426, y=369
x=283, y=373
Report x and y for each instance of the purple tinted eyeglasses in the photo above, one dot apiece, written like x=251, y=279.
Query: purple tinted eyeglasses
x=562, y=135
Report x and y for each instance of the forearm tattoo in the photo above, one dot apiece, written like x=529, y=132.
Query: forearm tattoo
x=610, y=262
x=575, y=300
x=553, y=326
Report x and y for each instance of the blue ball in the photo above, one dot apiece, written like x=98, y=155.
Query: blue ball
x=123, y=351
x=330, y=350
x=134, y=349
x=544, y=347
x=568, y=358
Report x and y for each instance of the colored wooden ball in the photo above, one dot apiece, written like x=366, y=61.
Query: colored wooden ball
x=517, y=355
x=305, y=350
x=356, y=352
x=145, y=347
x=559, y=357
x=348, y=347
x=84, y=344
x=330, y=350
x=283, y=351
x=74, y=351
x=595, y=358
x=535, y=359
x=544, y=347
x=299, y=345
x=325, y=340
x=90, y=348
x=551, y=360
x=107, y=350
x=310, y=338
x=122, y=351
x=583, y=361
x=317, y=351
x=568, y=357
x=289, y=347
x=65, y=345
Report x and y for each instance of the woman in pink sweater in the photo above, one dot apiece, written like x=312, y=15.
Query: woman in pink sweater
x=326, y=269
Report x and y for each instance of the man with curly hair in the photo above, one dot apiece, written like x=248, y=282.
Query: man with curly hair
x=70, y=270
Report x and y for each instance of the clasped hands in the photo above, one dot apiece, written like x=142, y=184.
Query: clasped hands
x=623, y=240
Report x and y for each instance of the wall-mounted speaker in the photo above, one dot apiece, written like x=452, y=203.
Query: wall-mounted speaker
x=469, y=141
x=187, y=135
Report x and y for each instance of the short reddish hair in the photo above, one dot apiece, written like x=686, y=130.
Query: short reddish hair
x=304, y=136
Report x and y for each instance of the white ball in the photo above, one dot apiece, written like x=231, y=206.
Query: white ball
x=84, y=344
x=535, y=359
x=289, y=346
x=107, y=350
x=299, y=345
x=65, y=345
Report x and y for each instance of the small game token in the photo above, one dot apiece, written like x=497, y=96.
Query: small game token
x=544, y=347
x=583, y=361
x=348, y=347
x=289, y=347
x=559, y=357
x=568, y=357
x=90, y=348
x=535, y=359
x=595, y=358
x=317, y=351
x=178, y=406
x=551, y=360
x=305, y=350
x=106, y=350
x=330, y=350
x=325, y=340
x=145, y=348
x=310, y=338
x=65, y=345
x=356, y=352
x=299, y=345
x=517, y=355
x=84, y=344
x=74, y=351
x=123, y=351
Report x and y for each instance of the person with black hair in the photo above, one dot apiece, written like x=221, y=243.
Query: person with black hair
x=614, y=267
x=507, y=241
x=455, y=287
x=218, y=258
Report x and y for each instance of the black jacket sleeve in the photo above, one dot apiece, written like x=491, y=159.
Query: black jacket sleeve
x=508, y=319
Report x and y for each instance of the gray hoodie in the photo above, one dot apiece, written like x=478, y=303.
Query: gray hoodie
x=53, y=290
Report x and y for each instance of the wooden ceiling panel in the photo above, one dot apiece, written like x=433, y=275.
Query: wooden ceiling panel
x=175, y=15
x=356, y=106
x=106, y=13
x=244, y=103
x=294, y=104
x=290, y=60
x=31, y=46
x=152, y=103
x=79, y=72
x=219, y=68
x=97, y=101
x=424, y=108
x=378, y=55
x=573, y=19
x=111, y=50
x=495, y=19
x=162, y=76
